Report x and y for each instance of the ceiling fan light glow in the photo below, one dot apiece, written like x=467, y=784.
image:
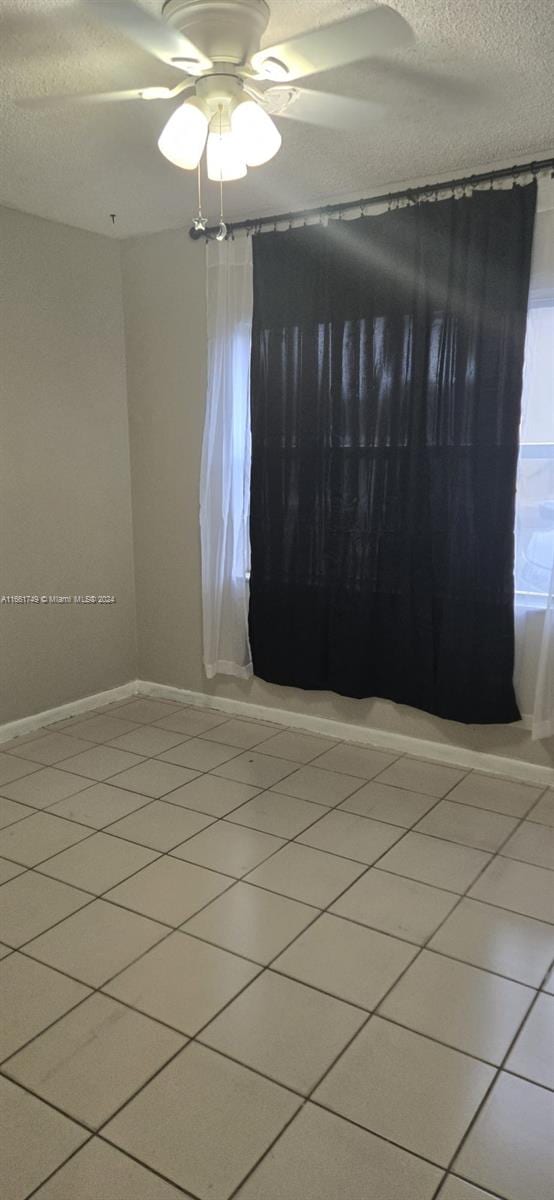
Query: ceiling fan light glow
x=257, y=136
x=224, y=158
x=183, y=139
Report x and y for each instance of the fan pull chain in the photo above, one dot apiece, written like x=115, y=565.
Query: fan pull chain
x=199, y=222
x=222, y=228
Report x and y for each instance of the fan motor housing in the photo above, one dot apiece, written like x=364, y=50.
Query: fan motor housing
x=224, y=30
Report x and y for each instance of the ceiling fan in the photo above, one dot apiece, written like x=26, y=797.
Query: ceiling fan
x=231, y=86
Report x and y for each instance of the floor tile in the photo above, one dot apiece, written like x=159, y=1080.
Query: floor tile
x=284, y=816
x=244, y=734
x=300, y=747
x=10, y=812
x=360, y=761
x=355, y=964
x=100, y=728
x=395, y=905
x=395, y=805
x=203, y=1122
x=100, y=1172
x=470, y=826
x=233, y=849
x=252, y=922
x=99, y=863
x=153, y=778
x=144, y=710
x=517, y=886
x=9, y=870
x=531, y=844
x=99, y=805
x=533, y=1053
x=498, y=795
x=183, y=982
x=543, y=812
x=102, y=1045
x=464, y=1007
x=101, y=762
x=199, y=754
x=38, y=837
x=321, y=787
x=310, y=876
x=212, y=795
x=192, y=721
x=407, y=1089
x=170, y=890
x=36, y=1139
x=31, y=997
x=321, y=1157
x=354, y=837
x=510, y=1148
x=430, y=860
x=45, y=786
x=31, y=903
x=51, y=748
x=289, y=1032
x=13, y=768
x=259, y=770
x=505, y=942
x=147, y=740
x=93, y=944
x=160, y=826
x=5, y=950
x=458, y=1189
x=433, y=779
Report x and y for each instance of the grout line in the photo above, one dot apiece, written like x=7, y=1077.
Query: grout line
x=269, y=965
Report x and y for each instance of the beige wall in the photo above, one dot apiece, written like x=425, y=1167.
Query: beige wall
x=65, y=514
x=164, y=301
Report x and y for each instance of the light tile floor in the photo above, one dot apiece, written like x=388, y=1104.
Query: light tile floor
x=244, y=961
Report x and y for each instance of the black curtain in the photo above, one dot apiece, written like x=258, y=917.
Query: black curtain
x=387, y=359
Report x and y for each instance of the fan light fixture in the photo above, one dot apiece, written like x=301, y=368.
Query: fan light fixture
x=223, y=158
x=240, y=134
x=257, y=136
x=183, y=139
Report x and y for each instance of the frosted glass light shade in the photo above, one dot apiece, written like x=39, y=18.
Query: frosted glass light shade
x=183, y=139
x=257, y=136
x=224, y=160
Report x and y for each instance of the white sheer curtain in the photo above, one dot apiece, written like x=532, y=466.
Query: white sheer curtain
x=534, y=565
x=225, y=470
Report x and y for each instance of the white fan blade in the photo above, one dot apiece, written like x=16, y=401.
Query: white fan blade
x=322, y=108
x=362, y=36
x=153, y=35
x=38, y=102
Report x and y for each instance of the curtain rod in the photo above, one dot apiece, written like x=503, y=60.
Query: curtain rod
x=411, y=195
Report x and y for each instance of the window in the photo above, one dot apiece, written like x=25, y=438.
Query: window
x=535, y=482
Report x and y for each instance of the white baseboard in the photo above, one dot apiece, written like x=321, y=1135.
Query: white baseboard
x=26, y=725
x=456, y=756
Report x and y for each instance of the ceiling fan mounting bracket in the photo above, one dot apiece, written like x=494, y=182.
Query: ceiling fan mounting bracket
x=226, y=31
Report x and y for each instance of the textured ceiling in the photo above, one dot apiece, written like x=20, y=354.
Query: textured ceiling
x=77, y=163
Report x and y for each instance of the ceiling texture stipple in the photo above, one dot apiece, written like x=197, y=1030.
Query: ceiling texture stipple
x=77, y=163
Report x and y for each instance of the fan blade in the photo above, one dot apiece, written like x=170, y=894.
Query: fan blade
x=370, y=33
x=53, y=101
x=321, y=108
x=153, y=35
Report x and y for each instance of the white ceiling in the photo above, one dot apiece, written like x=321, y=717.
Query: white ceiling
x=77, y=163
